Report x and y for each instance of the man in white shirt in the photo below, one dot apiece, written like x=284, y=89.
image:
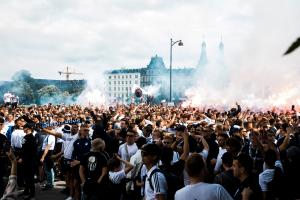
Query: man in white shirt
x=9, y=122
x=136, y=161
x=47, y=148
x=129, y=148
x=221, y=138
x=197, y=190
x=150, y=157
x=69, y=135
x=7, y=98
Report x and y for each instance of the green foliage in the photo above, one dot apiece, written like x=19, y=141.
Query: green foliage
x=40, y=91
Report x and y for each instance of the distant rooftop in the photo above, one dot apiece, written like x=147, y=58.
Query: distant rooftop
x=156, y=62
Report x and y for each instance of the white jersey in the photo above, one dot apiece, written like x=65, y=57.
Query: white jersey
x=159, y=184
x=7, y=97
x=117, y=177
x=219, y=159
x=68, y=147
x=126, y=151
x=203, y=191
x=49, y=139
x=17, y=137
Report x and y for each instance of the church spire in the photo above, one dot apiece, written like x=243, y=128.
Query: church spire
x=203, y=57
x=221, y=46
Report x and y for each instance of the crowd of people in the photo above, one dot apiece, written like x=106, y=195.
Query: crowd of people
x=10, y=99
x=150, y=152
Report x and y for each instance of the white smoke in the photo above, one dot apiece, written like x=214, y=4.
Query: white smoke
x=255, y=75
x=94, y=93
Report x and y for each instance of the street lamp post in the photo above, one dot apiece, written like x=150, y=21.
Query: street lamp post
x=172, y=43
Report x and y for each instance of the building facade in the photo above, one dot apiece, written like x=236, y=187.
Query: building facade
x=120, y=83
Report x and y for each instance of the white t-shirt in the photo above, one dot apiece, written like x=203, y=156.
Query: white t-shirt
x=159, y=184
x=219, y=159
x=7, y=97
x=17, y=138
x=68, y=147
x=127, y=153
x=136, y=161
x=202, y=191
x=116, y=177
x=49, y=139
x=267, y=176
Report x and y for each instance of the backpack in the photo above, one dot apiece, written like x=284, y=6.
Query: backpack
x=174, y=183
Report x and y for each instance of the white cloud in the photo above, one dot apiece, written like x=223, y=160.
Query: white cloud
x=44, y=36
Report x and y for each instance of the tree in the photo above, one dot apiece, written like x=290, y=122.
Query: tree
x=24, y=91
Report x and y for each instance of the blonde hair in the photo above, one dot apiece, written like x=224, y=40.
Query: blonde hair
x=98, y=144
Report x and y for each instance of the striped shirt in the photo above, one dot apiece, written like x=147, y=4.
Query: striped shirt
x=159, y=183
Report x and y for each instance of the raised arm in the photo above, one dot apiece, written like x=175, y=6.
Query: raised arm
x=51, y=132
x=186, y=146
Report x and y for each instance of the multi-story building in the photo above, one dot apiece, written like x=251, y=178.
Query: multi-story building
x=120, y=83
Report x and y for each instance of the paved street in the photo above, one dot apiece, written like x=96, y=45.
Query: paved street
x=54, y=194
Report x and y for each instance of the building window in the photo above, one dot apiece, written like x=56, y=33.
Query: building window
x=129, y=82
x=109, y=95
x=115, y=82
x=136, y=82
x=126, y=76
x=109, y=89
x=109, y=77
x=114, y=88
x=119, y=82
x=122, y=76
x=118, y=77
x=126, y=88
x=122, y=82
x=129, y=76
x=109, y=83
x=126, y=82
x=114, y=77
x=136, y=76
x=115, y=95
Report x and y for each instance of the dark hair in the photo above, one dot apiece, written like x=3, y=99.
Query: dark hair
x=245, y=161
x=195, y=165
x=113, y=163
x=140, y=142
x=233, y=143
x=1, y=120
x=270, y=158
x=166, y=155
x=224, y=135
x=227, y=159
x=153, y=150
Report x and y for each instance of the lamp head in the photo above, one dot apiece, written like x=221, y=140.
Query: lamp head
x=180, y=43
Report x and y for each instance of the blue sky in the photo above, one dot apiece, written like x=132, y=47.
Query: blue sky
x=45, y=36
